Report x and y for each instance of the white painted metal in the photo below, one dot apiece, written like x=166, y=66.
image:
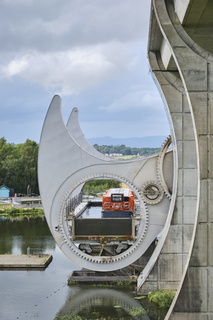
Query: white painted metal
x=76, y=133
x=64, y=165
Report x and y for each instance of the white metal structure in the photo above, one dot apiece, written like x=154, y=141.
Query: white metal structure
x=67, y=161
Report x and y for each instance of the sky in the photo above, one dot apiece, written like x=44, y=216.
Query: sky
x=93, y=53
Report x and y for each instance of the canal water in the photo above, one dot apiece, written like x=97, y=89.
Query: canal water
x=45, y=294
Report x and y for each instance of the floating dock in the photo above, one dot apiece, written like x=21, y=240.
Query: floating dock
x=94, y=277
x=12, y=261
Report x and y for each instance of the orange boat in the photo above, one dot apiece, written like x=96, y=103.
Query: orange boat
x=118, y=202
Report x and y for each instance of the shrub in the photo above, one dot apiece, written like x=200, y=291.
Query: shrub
x=134, y=312
x=162, y=298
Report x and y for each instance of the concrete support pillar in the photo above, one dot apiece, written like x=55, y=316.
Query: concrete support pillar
x=186, y=260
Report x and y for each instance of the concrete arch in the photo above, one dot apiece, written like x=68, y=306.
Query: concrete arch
x=191, y=116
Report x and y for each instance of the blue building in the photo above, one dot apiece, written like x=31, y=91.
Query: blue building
x=6, y=192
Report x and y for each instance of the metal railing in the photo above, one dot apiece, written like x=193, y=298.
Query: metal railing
x=73, y=203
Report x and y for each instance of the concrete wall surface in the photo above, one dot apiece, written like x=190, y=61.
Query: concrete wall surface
x=182, y=63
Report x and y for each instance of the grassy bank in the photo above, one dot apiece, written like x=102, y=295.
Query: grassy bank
x=161, y=298
x=8, y=211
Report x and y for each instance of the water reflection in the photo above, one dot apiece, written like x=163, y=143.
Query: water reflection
x=18, y=235
x=102, y=303
x=28, y=295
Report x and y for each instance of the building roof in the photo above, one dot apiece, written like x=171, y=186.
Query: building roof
x=3, y=186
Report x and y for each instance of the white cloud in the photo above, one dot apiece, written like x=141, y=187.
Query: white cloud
x=92, y=51
x=137, y=98
x=14, y=67
x=74, y=70
x=49, y=25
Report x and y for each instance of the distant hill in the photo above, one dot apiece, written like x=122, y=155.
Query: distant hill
x=143, y=142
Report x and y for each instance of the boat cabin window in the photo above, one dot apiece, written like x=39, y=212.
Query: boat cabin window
x=117, y=197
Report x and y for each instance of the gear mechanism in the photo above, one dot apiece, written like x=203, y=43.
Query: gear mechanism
x=161, y=167
x=152, y=192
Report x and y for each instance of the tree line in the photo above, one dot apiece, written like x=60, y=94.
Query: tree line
x=96, y=186
x=18, y=164
x=126, y=150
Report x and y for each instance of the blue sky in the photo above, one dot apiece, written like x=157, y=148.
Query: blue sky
x=92, y=53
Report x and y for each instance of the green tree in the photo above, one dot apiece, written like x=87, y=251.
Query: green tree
x=18, y=165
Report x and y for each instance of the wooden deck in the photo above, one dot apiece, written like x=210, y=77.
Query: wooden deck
x=11, y=261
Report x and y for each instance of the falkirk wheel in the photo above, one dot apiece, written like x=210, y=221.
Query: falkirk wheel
x=67, y=161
